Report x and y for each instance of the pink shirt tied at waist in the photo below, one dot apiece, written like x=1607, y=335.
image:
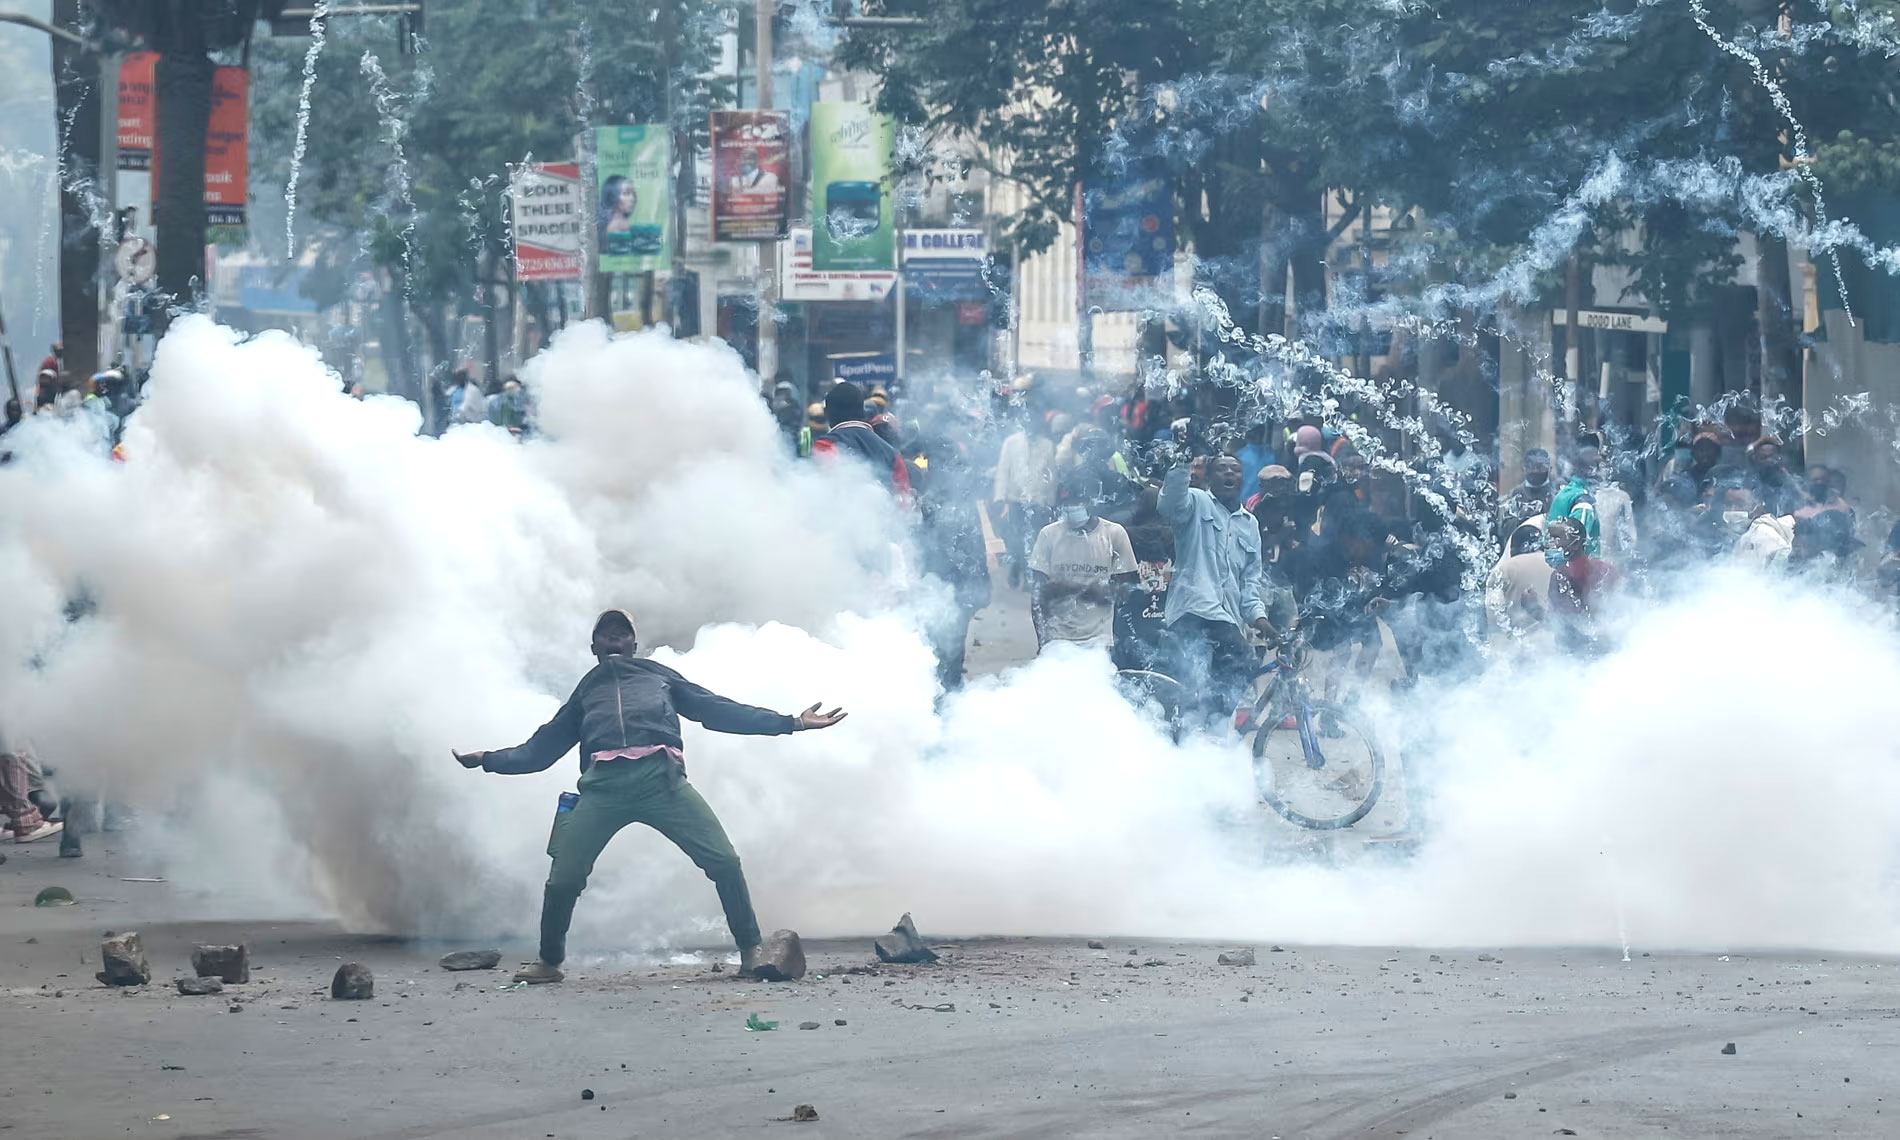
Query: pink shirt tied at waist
x=641, y=752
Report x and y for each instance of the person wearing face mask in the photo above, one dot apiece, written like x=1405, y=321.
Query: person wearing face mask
x=1533, y=495
x=1075, y=569
x=625, y=716
x=1579, y=585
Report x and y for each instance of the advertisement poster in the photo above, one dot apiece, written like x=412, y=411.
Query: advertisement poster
x=227, y=148
x=751, y=174
x=1128, y=226
x=138, y=110
x=634, y=216
x=548, y=209
x=851, y=188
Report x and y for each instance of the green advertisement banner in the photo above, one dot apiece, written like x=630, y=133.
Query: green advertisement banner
x=634, y=229
x=851, y=188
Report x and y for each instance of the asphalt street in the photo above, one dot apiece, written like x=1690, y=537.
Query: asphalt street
x=1003, y=1037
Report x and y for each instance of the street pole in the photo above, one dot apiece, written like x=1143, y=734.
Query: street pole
x=84, y=186
x=902, y=304
x=768, y=250
x=6, y=347
x=1573, y=344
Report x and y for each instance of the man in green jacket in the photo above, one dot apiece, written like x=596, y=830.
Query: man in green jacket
x=625, y=714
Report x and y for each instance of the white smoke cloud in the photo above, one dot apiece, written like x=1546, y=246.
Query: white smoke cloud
x=302, y=601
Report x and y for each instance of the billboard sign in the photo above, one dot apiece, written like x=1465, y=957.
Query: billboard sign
x=800, y=281
x=751, y=174
x=228, y=148
x=138, y=110
x=634, y=219
x=946, y=265
x=547, y=209
x=1128, y=226
x=851, y=188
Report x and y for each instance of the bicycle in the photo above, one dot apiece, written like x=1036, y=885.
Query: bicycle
x=1315, y=763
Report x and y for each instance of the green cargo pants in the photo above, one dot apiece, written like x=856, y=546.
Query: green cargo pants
x=613, y=794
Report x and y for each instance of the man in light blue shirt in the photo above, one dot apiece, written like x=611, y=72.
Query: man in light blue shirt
x=1215, y=593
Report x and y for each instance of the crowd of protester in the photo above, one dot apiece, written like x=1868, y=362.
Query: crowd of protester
x=1181, y=536
x=1159, y=530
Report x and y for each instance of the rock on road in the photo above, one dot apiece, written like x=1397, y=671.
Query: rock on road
x=1004, y=1037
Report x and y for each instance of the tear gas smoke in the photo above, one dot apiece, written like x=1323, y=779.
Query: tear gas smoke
x=300, y=600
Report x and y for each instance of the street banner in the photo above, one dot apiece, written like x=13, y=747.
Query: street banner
x=851, y=188
x=1127, y=228
x=138, y=110
x=227, y=147
x=946, y=265
x=547, y=208
x=751, y=174
x=634, y=222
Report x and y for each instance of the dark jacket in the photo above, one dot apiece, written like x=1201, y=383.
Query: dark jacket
x=858, y=439
x=630, y=702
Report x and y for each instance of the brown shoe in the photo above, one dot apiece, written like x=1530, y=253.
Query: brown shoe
x=538, y=973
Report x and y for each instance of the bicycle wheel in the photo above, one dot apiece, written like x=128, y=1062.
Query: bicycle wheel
x=1318, y=767
x=1156, y=693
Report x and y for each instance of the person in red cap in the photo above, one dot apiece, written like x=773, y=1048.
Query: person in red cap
x=625, y=715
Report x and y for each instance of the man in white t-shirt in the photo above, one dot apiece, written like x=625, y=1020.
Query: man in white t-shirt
x=1078, y=563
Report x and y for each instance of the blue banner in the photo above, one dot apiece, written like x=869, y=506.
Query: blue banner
x=1128, y=224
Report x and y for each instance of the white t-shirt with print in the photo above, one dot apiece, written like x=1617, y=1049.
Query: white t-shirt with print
x=1084, y=558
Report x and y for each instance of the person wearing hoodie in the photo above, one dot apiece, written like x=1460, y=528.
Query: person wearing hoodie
x=625, y=716
x=1576, y=499
x=850, y=434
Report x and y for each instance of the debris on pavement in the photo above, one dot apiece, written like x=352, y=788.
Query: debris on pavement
x=124, y=879
x=946, y=1007
x=780, y=958
x=753, y=1024
x=804, y=1114
x=838, y=1021
x=903, y=944
x=808, y=1025
x=1097, y=944
x=1729, y=1049
x=353, y=982
x=1241, y=957
x=123, y=956
x=471, y=960
x=587, y=1094
x=199, y=986
x=232, y=964
x=54, y=896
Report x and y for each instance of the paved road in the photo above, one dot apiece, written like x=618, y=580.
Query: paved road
x=1047, y=1038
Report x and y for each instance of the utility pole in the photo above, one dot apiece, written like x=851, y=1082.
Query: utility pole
x=1573, y=347
x=767, y=332
x=84, y=184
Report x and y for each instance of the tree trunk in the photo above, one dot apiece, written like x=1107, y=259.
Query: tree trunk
x=398, y=360
x=1774, y=318
x=1309, y=246
x=76, y=80
x=183, y=89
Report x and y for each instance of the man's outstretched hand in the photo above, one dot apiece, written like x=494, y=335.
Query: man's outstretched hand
x=812, y=718
x=469, y=759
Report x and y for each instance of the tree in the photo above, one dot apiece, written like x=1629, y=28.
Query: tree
x=498, y=82
x=1475, y=123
